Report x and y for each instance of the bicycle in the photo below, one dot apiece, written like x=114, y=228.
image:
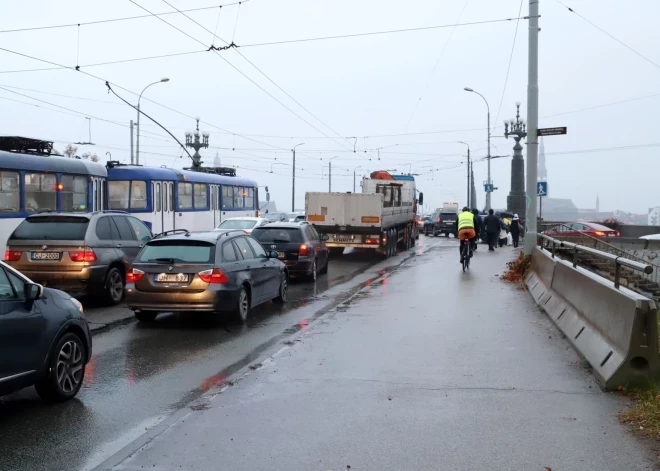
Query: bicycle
x=466, y=254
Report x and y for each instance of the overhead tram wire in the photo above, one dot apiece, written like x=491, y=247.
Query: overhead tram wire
x=508, y=69
x=134, y=93
x=261, y=72
x=111, y=20
x=634, y=51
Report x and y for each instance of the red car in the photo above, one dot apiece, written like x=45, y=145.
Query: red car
x=576, y=229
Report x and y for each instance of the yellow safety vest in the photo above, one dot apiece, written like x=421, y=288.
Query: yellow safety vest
x=465, y=220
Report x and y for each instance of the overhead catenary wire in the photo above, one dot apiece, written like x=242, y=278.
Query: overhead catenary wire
x=508, y=69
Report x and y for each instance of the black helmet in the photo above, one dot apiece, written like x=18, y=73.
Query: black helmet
x=465, y=208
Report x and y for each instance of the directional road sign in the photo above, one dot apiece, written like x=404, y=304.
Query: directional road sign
x=551, y=131
x=542, y=189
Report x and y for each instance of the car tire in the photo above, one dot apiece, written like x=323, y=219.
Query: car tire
x=324, y=270
x=283, y=291
x=313, y=274
x=66, y=370
x=146, y=316
x=242, y=308
x=114, y=286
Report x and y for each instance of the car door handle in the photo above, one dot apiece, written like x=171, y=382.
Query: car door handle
x=118, y=246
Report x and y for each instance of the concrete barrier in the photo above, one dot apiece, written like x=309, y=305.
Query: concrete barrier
x=615, y=330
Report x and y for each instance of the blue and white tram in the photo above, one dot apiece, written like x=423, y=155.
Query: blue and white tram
x=167, y=199
x=33, y=183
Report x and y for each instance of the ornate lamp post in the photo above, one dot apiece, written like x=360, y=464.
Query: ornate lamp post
x=516, y=200
x=193, y=141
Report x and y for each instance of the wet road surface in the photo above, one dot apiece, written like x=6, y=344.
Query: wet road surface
x=140, y=374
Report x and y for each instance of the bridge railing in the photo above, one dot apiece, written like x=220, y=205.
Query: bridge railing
x=553, y=245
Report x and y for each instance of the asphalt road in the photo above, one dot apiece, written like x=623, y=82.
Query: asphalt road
x=140, y=374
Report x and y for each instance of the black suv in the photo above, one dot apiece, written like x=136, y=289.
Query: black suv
x=78, y=253
x=298, y=245
x=441, y=223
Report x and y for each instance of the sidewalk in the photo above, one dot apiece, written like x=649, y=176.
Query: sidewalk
x=430, y=369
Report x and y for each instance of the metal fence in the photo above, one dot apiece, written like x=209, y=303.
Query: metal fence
x=552, y=244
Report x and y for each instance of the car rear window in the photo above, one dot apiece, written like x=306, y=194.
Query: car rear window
x=51, y=228
x=178, y=251
x=274, y=235
x=448, y=215
x=236, y=224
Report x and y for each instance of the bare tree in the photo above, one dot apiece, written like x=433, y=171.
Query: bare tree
x=94, y=158
x=70, y=150
x=86, y=155
x=55, y=152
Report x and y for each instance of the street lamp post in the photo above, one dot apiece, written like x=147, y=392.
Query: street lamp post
x=490, y=183
x=293, y=178
x=516, y=201
x=468, y=172
x=330, y=173
x=137, y=147
x=193, y=141
x=359, y=166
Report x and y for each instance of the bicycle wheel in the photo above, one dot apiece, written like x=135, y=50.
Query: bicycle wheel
x=466, y=260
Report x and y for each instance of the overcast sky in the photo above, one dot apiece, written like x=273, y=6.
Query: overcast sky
x=368, y=87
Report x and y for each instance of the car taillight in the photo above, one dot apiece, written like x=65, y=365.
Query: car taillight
x=600, y=233
x=303, y=251
x=439, y=219
x=617, y=234
x=215, y=276
x=12, y=255
x=133, y=275
x=86, y=255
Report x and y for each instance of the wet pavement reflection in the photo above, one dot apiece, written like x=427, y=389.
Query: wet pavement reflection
x=140, y=373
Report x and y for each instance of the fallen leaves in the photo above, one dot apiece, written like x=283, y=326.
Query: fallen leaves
x=570, y=419
x=389, y=398
x=547, y=468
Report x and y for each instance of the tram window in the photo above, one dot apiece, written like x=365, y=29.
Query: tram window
x=40, y=192
x=157, y=197
x=138, y=195
x=73, y=195
x=119, y=191
x=200, y=196
x=9, y=196
x=227, y=197
x=185, y=195
x=249, y=199
x=238, y=197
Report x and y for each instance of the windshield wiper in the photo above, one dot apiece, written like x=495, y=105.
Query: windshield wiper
x=161, y=259
x=280, y=241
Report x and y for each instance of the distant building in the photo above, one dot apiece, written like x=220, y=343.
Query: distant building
x=653, y=218
x=559, y=209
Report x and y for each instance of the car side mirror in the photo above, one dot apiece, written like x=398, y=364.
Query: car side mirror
x=421, y=199
x=325, y=237
x=274, y=254
x=33, y=291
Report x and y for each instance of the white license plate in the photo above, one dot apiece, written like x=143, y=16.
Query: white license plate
x=281, y=255
x=46, y=255
x=172, y=277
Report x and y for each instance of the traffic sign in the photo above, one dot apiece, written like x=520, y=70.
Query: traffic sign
x=551, y=131
x=542, y=189
x=488, y=187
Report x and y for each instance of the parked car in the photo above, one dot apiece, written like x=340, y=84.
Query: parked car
x=295, y=217
x=275, y=217
x=298, y=245
x=576, y=229
x=651, y=237
x=441, y=223
x=77, y=252
x=44, y=338
x=217, y=271
x=243, y=223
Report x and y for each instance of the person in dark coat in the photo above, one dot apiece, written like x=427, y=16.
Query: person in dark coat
x=492, y=224
x=515, y=230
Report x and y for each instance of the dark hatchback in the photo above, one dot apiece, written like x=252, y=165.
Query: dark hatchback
x=44, y=338
x=219, y=271
x=441, y=223
x=298, y=245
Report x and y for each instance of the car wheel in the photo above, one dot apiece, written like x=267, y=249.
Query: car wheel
x=66, y=370
x=242, y=306
x=314, y=272
x=284, y=290
x=114, y=286
x=324, y=270
x=146, y=316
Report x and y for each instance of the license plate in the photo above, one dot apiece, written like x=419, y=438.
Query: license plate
x=46, y=255
x=281, y=255
x=172, y=277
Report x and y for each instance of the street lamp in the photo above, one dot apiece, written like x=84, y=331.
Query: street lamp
x=293, y=178
x=359, y=166
x=330, y=173
x=137, y=148
x=490, y=183
x=468, y=172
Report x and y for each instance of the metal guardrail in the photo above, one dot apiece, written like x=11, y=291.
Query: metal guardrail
x=618, y=260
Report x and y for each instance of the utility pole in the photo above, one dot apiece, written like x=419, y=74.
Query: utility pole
x=330, y=173
x=468, y=173
x=533, y=125
x=293, y=179
x=489, y=182
x=354, y=177
x=132, y=156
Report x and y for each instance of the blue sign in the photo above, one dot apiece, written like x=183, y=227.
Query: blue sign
x=542, y=189
x=488, y=187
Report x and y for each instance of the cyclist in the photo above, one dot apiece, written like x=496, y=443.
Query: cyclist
x=468, y=229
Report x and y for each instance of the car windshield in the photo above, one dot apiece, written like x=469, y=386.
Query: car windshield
x=277, y=234
x=177, y=251
x=237, y=224
x=291, y=215
x=51, y=228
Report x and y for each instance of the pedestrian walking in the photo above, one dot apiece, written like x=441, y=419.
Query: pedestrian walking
x=515, y=230
x=492, y=224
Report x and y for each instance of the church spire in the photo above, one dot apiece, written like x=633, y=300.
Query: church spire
x=542, y=171
x=597, y=203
